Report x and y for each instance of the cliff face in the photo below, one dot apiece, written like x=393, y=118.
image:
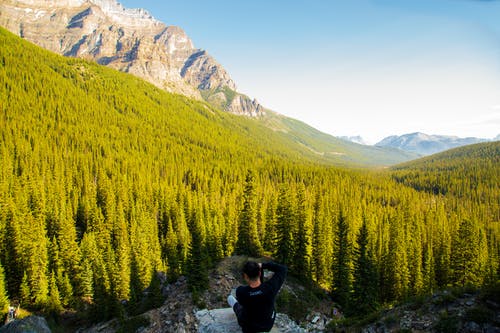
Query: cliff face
x=129, y=40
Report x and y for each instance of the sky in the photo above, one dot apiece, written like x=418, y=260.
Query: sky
x=372, y=68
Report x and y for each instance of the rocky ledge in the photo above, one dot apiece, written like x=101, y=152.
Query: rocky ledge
x=31, y=324
x=224, y=321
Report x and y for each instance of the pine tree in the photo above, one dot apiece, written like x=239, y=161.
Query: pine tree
x=170, y=250
x=36, y=248
x=86, y=281
x=442, y=252
x=121, y=262
x=341, y=285
x=54, y=306
x=197, y=270
x=270, y=239
x=319, y=264
x=65, y=288
x=396, y=274
x=99, y=276
x=466, y=259
x=365, y=282
x=429, y=275
x=415, y=259
x=302, y=239
x=285, y=222
x=4, y=299
x=25, y=292
x=13, y=266
x=248, y=239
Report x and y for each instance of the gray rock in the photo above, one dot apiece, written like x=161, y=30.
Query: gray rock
x=224, y=321
x=217, y=321
x=31, y=324
x=491, y=329
x=472, y=327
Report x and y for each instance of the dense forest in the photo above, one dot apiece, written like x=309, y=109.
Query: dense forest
x=106, y=180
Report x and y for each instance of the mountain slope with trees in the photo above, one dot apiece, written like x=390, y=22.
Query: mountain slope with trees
x=106, y=180
x=132, y=41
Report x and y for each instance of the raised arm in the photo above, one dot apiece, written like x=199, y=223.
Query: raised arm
x=279, y=274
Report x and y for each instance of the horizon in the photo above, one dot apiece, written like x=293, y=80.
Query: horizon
x=385, y=67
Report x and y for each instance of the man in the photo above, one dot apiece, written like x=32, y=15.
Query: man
x=254, y=303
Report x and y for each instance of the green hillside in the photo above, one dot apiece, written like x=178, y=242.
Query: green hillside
x=332, y=148
x=473, y=169
x=106, y=180
x=321, y=145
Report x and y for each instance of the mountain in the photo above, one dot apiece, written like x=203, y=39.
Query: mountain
x=332, y=148
x=425, y=144
x=129, y=40
x=132, y=41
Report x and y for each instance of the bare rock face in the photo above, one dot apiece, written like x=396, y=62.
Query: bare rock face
x=243, y=105
x=129, y=40
x=31, y=324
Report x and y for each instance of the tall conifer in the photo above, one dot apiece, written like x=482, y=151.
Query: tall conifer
x=197, y=270
x=4, y=299
x=341, y=285
x=466, y=258
x=365, y=278
x=302, y=238
x=285, y=223
x=248, y=239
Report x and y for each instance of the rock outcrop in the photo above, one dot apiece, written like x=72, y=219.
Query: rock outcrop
x=180, y=313
x=224, y=321
x=31, y=324
x=129, y=40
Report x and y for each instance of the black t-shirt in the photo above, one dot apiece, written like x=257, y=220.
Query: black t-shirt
x=258, y=303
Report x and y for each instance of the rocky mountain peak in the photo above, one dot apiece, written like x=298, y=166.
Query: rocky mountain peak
x=113, y=7
x=129, y=40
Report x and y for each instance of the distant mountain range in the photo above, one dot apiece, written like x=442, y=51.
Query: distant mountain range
x=425, y=144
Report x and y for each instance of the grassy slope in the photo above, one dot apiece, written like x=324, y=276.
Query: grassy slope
x=333, y=148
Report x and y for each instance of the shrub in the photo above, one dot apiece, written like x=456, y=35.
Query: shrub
x=479, y=315
x=447, y=324
x=132, y=324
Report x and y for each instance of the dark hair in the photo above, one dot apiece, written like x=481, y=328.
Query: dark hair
x=251, y=269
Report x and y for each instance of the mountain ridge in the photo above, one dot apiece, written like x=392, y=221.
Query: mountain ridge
x=425, y=144
x=129, y=40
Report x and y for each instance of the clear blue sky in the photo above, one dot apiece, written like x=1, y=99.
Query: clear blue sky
x=356, y=67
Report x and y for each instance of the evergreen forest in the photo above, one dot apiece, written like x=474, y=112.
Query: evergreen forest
x=106, y=180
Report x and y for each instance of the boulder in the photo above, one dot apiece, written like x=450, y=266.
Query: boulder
x=224, y=321
x=31, y=324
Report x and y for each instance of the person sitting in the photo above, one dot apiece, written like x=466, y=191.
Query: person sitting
x=254, y=302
